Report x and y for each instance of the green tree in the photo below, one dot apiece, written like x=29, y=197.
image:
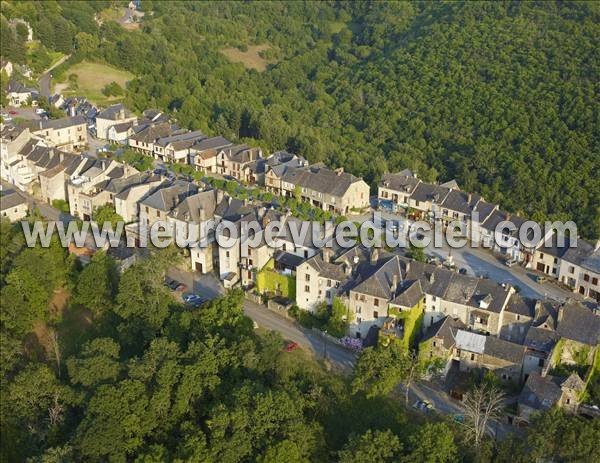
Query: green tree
x=97, y=284
x=379, y=369
x=372, y=447
x=432, y=443
x=97, y=363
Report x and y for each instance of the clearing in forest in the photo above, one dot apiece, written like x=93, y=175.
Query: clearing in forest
x=91, y=79
x=250, y=58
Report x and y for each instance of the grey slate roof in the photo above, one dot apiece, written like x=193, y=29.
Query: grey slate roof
x=460, y=201
x=330, y=270
x=11, y=198
x=410, y=293
x=211, y=143
x=379, y=283
x=404, y=181
x=167, y=197
x=188, y=139
x=540, y=393
x=426, y=192
x=520, y=306
x=541, y=339
x=578, y=323
x=445, y=329
x=505, y=350
x=56, y=124
x=153, y=132
x=287, y=259
x=112, y=112
x=321, y=179
x=189, y=209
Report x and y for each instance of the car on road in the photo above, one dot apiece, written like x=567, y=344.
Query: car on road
x=463, y=271
x=7, y=118
x=541, y=279
x=13, y=113
x=510, y=262
x=195, y=300
x=423, y=405
x=40, y=111
x=290, y=346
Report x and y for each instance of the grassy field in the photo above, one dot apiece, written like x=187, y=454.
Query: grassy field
x=110, y=14
x=91, y=79
x=250, y=59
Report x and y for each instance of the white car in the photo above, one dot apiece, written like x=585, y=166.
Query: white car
x=39, y=111
x=511, y=262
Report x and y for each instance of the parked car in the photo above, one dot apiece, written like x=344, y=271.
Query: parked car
x=463, y=271
x=194, y=300
x=540, y=279
x=181, y=287
x=423, y=405
x=39, y=111
x=290, y=346
x=13, y=113
x=511, y=262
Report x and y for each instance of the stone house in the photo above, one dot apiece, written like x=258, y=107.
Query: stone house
x=330, y=190
x=113, y=115
x=477, y=351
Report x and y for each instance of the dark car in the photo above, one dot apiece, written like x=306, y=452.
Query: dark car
x=463, y=271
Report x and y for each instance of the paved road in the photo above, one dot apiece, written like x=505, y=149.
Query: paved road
x=45, y=80
x=341, y=358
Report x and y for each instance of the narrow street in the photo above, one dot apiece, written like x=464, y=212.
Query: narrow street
x=45, y=80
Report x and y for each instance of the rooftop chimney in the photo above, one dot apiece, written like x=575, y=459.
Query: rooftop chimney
x=121, y=114
x=374, y=255
x=394, y=286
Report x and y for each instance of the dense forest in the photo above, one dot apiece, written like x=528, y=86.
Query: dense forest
x=97, y=365
x=501, y=96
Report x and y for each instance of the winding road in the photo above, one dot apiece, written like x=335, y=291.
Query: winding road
x=45, y=80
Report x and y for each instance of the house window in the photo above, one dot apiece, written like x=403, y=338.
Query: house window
x=328, y=282
x=568, y=401
x=518, y=317
x=357, y=310
x=307, y=277
x=472, y=356
x=586, y=277
x=540, y=362
x=541, y=255
x=307, y=289
x=433, y=344
x=227, y=254
x=594, y=281
x=157, y=213
x=375, y=314
x=571, y=269
x=376, y=303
